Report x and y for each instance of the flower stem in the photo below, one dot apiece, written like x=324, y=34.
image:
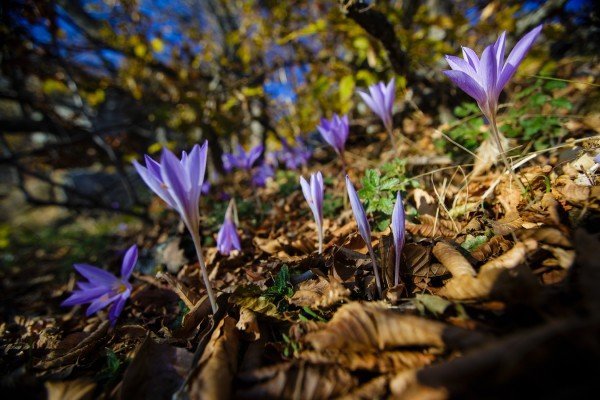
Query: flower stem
x=376, y=272
x=209, y=291
x=397, y=269
x=320, y=233
x=496, y=136
x=390, y=131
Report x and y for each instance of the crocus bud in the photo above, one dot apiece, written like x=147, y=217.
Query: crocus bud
x=363, y=227
x=398, y=232
x=313, y=193
x=227, y=238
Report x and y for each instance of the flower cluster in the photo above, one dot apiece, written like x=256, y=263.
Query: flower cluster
x=294, y=157
x=247, y=161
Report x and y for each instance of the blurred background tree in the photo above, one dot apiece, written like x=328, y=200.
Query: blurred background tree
x=88, y=85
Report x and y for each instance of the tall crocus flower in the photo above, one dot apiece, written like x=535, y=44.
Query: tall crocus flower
x=380, y=100
x=103, y=288
x=483, y=79
x=179, y=184
x=398, y=222
x=313, y=193
x=363, y=228
x=335, y=132
x=227, y=238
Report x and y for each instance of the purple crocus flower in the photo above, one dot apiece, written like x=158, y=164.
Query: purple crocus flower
x=363, y=227
x=380, y=100
x=294, y=156
x=483, y=79
x=242, y=159
x=179, y=184
x=103, y=288
x=335, y=132
x=260, y=175
x=227, y=238
x=398, y=232
x=313, y=193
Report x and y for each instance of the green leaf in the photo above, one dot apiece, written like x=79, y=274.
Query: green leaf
x=434, y=304
x=472, y=242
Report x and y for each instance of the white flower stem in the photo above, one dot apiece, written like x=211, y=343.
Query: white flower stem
x=397, y=268
x=496, y=135
x=320, y=233
x=376, y=272
x=209, y=291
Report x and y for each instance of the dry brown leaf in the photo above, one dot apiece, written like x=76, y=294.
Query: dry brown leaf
x=369, y=326
x=380, y=361
x=516, y=284
x=82, y=348
x=510, y=223
x=491, y=248
x=319, y=293
x=156, y=372
x=430, y=227
x=248, y=324
x=298, y=380
x=376, y=388
x=453, y=260
x=79, y=389
x=425, y=203
x=218, y=364
x=515, y=256
x=546, y=234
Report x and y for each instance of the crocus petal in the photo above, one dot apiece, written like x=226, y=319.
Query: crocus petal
x=458, y=64
x=306, y=190
x=398, y=222
x=156, y=185
x=100, y=303
x=316, y=181
x=499, y=48
x=129, y=261
x=95, y=275
x=85, y=296
x=516, y=56
x=253, y=155
x=471, y=57
x=359, y=213
x=488, y=72
x=174, y=177
x=467, y=84
x=117, y=308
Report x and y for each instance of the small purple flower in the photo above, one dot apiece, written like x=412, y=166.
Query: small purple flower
x=261, y=174
x=294, y=156
x=335, y=132
x=313, y=193
x=205, y=187
x=483, y=79
x=178, y=182
x=398, y=232
x=381, y=101
x=242, y=159
x=103, y=288
x=363, y=227
x=228, y=238
x=597, y=159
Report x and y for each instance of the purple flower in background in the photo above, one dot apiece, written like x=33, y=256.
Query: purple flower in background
x=335, y=132
x=227, y=238
x=261, y=174
x=380, y=100
x=398, y=232
x=363, y=227
x=205, y=187
x=103, y=288
x=294, y=156
x=483, y=79
x=313, y=193
x=242, y=159
x=179, y=184
x=597, y=159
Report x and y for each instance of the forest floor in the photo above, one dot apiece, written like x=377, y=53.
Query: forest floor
x=499, y=296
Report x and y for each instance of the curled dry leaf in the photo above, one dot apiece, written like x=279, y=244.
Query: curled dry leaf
x=250, y=298
x=248, y=324
x=453, y=260
x=79, y=389
x=297, y=380
x=370, y=326
x=510, y=223
x=376, y=388
x=515, y=256
x=429, y=226
x=218, y=365
x=496, y=245
x=319, y=293
x=380, y=361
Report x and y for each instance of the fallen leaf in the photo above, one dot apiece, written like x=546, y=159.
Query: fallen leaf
x=78, y=389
